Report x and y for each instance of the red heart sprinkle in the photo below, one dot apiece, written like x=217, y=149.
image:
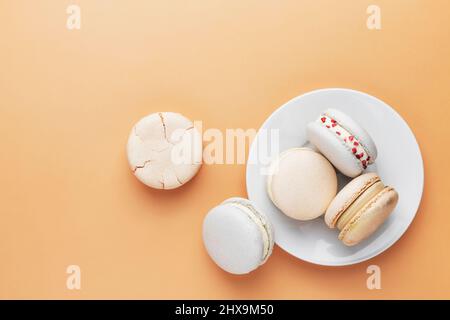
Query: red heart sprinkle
x=333, y=121
x=354, y=150
x=364, y=163
x=359, y=156
x=355, y=143
x=323, y=119
x=351, y=138
x=328, y=126
x=338, y=133
x=334, y=125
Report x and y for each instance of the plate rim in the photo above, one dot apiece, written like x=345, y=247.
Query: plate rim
x=421, y=173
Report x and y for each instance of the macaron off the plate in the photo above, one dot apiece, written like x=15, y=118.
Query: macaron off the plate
x=237, y=237
x=164, y=150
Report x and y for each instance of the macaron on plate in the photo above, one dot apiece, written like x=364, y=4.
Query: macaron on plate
x=366, y=215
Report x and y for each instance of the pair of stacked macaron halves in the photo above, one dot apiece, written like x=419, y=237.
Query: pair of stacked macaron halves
x=303, y=185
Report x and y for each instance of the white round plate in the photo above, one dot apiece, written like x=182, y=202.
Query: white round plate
x=399, y=164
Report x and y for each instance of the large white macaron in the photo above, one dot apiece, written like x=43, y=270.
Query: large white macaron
x=343, y=141
x=237, y=236
x=360, y=208
x=301, y=183
x=164, y=150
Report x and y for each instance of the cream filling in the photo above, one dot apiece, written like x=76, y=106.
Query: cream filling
x=349, y=140
x=256, y=218
x=359, y=203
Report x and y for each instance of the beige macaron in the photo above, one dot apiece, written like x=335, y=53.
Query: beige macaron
x=301, y=183
x=164, y=150
x=360, y=208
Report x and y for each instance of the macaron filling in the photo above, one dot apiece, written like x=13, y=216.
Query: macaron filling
x=347, y=138
x=370, y=193
x=256, y=217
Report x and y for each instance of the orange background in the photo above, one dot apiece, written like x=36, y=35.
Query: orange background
x=68, y=100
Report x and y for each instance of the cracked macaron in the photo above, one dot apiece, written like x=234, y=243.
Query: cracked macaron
x=237, y=236
x=164, y=150
x=360, y=208
x=343, y=141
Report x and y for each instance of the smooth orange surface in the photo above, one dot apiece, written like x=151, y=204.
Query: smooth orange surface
x=68, y=100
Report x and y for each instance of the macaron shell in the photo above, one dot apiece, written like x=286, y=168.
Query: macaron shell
x=164, y=150
x=266, y=224
x=334, y=149
x=232, y=239
x=302, y=183
x=263, y=227
x=145, y=144
x=347, y=195
x=358, y=131
x=367, y=221
x=359, y=203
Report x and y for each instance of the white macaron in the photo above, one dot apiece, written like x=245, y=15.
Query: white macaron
x=343, y=141
x=301, y=183
x=237, y=236
x=164, y=150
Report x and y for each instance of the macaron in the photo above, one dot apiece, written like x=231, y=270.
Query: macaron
x=237, y=236
x=164, y=150
x=301, y=183
x=343, y=141
x=360, y=208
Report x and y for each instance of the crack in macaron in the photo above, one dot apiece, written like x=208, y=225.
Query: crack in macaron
x=350, y=141
x=164, y=150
